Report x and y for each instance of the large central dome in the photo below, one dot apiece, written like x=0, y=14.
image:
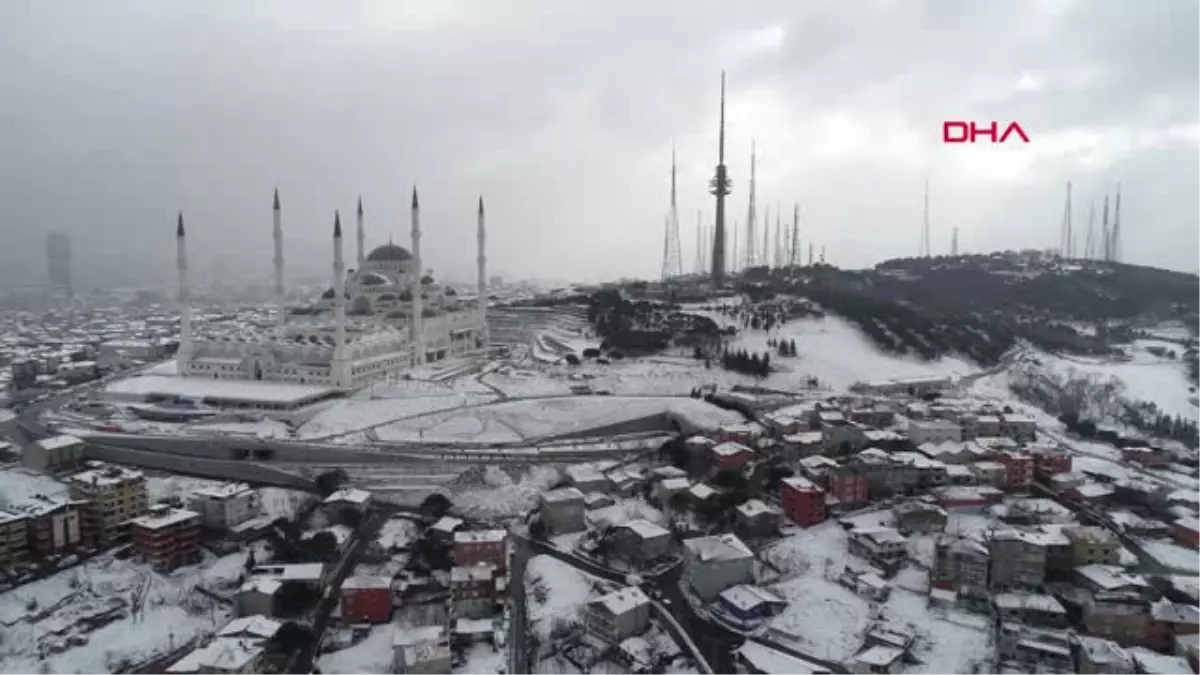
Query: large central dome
x=389, y=253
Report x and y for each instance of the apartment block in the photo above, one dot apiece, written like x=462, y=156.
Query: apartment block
x=167, y=537
x=115, y=496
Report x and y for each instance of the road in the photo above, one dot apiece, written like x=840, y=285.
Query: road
x=366, y=533
x=518, y=648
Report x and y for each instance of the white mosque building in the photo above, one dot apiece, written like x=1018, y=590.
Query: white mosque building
x=377, y=321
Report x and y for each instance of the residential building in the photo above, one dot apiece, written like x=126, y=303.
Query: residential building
x=918, y=516
x=847, y=485
x=424, y=650
x=476, y=547
x=734, y=433
x=748, y=605
x=1096, y=655
x=642, y=540
x=1168, y=620
x=167, y=537
x=1111, y=579
x=14, y=542
x=991, y=473
x=598, y=500
x=443, y=530
x=967, y=496
x=730, y=456
x=366, y=599
x=473, y=591
x=840, y=438
x=873, y=416
x=1186, y=532
x=756, y=518
x=878, y=658
x=866, y=584
x=1091, y=495
x=54, y=454
x=619, y=615
x=1093, y=546
x=1153, y=663
x=240, y=647
x=587, y=478
x=715, y=563
x=961, y=565
x=258, y=595
x=802, y=501
x=1034, y=609
x=1049, y=460
x=883, y=546
x=987, y=425
x=668, y=488
x=1018, y=560
x=1147, y=457
x=933, y=431
x=562, y=510
x=346, y=506
x=43, y=520
x=1121, y=617
x=1037, y=650
x=1018, y=470
x=1020, y=428
x=226, y=506
x=115, y=496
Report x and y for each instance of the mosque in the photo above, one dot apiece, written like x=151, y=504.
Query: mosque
x=376, y=322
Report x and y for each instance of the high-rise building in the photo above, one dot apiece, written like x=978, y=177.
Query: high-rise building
x=58, y=259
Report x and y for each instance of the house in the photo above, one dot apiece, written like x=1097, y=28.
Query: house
x=919, y=516
x=473, y=591
x=224, y=507
x=586, y=478
x=883, y=546
x=967, y=496
x=1038, y=650
x=874, y=416
x=1049, y=460
x=933, y=431
x=167, y=537
x=730, y=456
x=878, y=659
x=346, y=505
x=1034, y=609
x=1097, y=655
x=1147, y=457
x=1018, y=470
x=1032, y=511
x=1186, y=532
x=226, y=654
x=1091, y=495
x=782, y=425
x=1110, y=579
x=310, y=575
x=803, y=444
x=1153, y=663
x=1020, y=428
x=1093, y=546
x=991, y=473
x=366, y=599
x=734, y=433
x=444, y=529
x=475, y=547
x=950, y=453
x=754, y=657
x=847, y=485
x=802, y=501
x=619, y=615
x=562, y=510
x=842, y=438
x=930, y=473
x=961, y=565
x=1018, y=560
x=715, y=563
x=1121, y=617
x=598, y=500
x=866, y=584
x=425, y=649
x=625, y=480
x=1188, y=647
x=748, y=605
x=668, y=488
x=259, y=595
x=1133, y=524
x=756, y=518
x=642, y=540
x=41, y=518
x=703, y=494
x=54, y=454
x=986, y=425
x=1168, y=620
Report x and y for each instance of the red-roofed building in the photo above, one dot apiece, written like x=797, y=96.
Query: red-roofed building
x=1050, y=461
x=730, y=456
x=803, y=502
x=734, y=433
x=479, y=547
x=366, y=600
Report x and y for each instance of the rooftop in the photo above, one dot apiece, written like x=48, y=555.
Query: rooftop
x=477, y=536
x=566, y=494
x=349, y=496
x=718, y=547
x=623, y=600
x=163, y=517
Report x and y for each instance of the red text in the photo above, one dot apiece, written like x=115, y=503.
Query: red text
x=967, y=132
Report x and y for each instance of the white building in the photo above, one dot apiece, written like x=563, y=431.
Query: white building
x=226, y=506
x=716, y=563
x=375, y=322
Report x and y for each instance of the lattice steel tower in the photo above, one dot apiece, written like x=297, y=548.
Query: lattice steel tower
x=672, y=253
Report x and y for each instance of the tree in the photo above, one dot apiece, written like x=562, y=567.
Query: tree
x=290, y=638
x=435, y=505
x=537, y=529
x=572, y=359
x=329, y=481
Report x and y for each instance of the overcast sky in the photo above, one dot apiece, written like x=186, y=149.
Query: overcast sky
x=563, y=115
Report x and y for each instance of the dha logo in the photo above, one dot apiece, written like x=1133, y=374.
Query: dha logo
x=967, y=132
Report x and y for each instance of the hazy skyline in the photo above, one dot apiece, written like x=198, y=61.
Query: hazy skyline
x=563, y=116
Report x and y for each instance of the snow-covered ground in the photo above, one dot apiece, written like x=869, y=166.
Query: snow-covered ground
x=372, y=655
x=1148, y=378
x=45, y=614
x=829, y=621
x=556, y=594
x=260, y=429
x=387, y=403
x=500, y=496
x=512, y=421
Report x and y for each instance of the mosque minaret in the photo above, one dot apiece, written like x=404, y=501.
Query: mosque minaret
x=374, y=323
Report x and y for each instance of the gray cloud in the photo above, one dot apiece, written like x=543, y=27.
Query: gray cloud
x=563, y=115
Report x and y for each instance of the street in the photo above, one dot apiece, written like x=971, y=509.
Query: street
x=518, y=648
x=367, y=531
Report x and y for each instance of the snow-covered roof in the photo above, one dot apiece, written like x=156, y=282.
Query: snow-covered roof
x=1028, y=602
x=264, y=585
x=879, y=655
x=1110, y=577
x=566, y=494
x=646, y=529
x=222, y=655
x=165, y=517
x=988, y=466
x=251, y=391
x=480, y=536
x=676, y=484
x=746, y=597
x=349, y=496
x=773, y=662
x=584, y=473
x=222, y=491
x=1175, y=612
x=702, y=491
x=668, y=472
x=24, y=492
x=366, y=583
x=105, y=475
x=464, y=626
x=1191, y=524
x=61, y=441
x=881, y=535
x=1102, y=651
x=621, y=601
x=753, y=508
x=291, y=572
x=446, y=524
x=1153, y=663
x=800, y=483
x=718, y=547
x=817, y=461
x=1094, y=490
x=466, y=573
x=803, y=438
x=255, y=625
x=729, y=449
x=701, y=440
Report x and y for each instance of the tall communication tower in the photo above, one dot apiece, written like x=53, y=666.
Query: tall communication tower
x=1068, y=238
x=954, y=242
x=752, y=214
x=672, y=255
x=925, y=247
x=1106, y=234
x=795, y=235
x=720, y=188
x=1089, y=243
x=1115, y=251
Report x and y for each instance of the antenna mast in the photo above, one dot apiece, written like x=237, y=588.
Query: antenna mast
x=1116, y=231
x=1089, y=247
x=795, y=234
x=672, y=253
x=925, y=248
x=954, y=242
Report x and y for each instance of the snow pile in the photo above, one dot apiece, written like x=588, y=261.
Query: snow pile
x=501, y=496
x=372, y=655
x=829, y=621
x=513, y=421
x=556, y=594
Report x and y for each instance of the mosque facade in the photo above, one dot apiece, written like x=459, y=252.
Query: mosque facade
x=375, y=322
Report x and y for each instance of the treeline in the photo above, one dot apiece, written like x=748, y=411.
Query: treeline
x=741, y=361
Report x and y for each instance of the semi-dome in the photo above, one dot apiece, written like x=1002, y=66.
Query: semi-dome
x=389, y=253
x=374, y=279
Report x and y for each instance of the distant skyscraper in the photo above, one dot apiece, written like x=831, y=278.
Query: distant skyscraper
x=58, y=259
